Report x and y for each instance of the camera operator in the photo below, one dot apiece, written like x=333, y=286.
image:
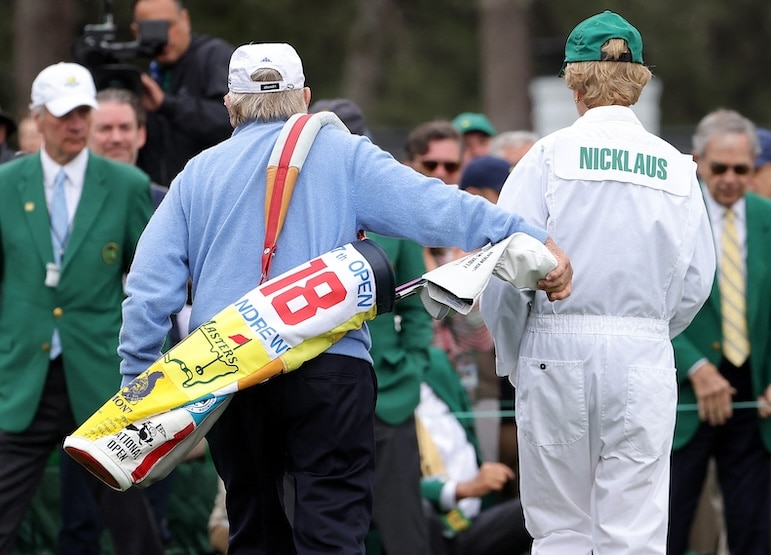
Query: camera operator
x=183, y=92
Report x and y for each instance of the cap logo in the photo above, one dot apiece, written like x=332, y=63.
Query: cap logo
x=62, y=87
x=251, y=58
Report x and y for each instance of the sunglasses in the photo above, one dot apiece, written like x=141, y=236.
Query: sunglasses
x=718, y=168
x=431, y=165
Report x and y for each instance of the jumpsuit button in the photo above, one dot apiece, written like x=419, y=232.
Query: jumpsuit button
x=46, y=347
x=716, y=345
x=543, y=366
x=58, y=312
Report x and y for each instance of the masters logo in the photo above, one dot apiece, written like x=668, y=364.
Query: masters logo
x=223, y=359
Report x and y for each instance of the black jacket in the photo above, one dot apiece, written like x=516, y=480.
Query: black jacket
x=6, y=154
x=193, y=116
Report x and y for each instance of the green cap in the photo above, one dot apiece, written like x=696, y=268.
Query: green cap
x=586, y=40
x=468, y=121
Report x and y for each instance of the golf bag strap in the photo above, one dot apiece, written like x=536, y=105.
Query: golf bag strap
x=286, y=161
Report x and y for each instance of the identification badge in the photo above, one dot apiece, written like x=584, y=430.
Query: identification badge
x=52, y=274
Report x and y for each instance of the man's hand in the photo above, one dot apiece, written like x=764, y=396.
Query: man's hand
x=152, y=94
x=764, y=403
x=492, y=477
x=713, y=393
x=558, y=283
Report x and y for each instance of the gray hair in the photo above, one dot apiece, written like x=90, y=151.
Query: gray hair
x=724, y=122
x=512, y=138
x=272, y=106
x=115, y=95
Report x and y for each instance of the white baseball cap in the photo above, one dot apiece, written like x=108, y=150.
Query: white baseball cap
x=251, y=57
x=63, y=87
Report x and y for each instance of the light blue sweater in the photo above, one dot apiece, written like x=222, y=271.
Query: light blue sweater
x=210, y=227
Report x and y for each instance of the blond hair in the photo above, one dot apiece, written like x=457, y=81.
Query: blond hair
x=271, y=106
x=608, y=82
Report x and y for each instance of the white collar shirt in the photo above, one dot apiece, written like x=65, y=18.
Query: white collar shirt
x=456, y=451
x=73, y=186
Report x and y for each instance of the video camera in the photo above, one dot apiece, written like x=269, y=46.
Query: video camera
x=105, y=57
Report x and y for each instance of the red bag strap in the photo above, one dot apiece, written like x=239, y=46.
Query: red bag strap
x=278, y=193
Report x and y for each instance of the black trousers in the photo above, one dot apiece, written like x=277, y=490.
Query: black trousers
x=498, y=530
x=83, y=520
x=23, y=458
x=316, y=426
x=742, y=470
x=398, y=505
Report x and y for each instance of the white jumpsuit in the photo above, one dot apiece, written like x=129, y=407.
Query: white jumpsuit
x=596, y=389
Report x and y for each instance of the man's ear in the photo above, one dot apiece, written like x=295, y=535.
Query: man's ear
x=307, y=93
x=37, y=117
x=141, y=136
x=185, y=16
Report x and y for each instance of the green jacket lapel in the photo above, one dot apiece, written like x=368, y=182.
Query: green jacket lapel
x=33, y=203
x=91, y=203
x=757, y=265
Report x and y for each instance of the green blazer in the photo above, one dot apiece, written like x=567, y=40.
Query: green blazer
x=400, y=357
x=114, y=208
x=703, y=338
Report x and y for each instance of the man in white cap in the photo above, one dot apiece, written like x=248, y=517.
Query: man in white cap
x=69, y=223
x=314, y=424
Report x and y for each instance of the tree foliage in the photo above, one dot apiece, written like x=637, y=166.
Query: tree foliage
x=408, y=61
x=707, y=53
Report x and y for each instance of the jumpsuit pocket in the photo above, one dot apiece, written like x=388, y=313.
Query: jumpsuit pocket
x=551, y=408
x=651, y=404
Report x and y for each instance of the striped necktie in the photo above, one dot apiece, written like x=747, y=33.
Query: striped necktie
x=60, y=219
x=733, y=298
x=431, y=463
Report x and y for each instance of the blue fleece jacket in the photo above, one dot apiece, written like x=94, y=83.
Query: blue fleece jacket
x=211, y=224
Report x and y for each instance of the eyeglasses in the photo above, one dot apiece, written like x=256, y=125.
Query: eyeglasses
x=431, y=165
x=719, y=168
